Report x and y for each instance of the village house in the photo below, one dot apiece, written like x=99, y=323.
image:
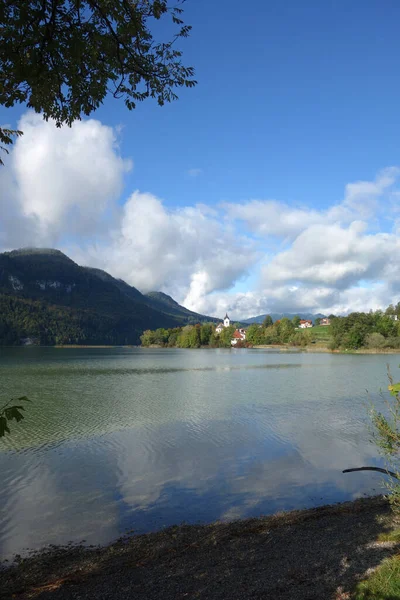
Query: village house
x=238, y=335
x=305, y=323
x=325, y=321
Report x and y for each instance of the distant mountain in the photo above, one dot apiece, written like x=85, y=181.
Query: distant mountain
x=46, y=297
x=168, y=305
x=277, y=316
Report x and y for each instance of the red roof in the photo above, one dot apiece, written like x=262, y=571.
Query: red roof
x=305, y=321
x=237, y=335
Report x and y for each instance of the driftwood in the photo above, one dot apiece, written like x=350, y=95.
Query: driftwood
x=385, y=471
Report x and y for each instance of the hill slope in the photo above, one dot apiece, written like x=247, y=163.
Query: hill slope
x=168, y=305
x=46, y=296
x=276, y=316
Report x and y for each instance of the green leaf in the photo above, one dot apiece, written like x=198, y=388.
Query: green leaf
x=3, y=427
x=394, y=389
x=14, y=413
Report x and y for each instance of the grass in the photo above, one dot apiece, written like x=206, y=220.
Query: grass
x=383, y=584
x=321, y=333
x=390, y=536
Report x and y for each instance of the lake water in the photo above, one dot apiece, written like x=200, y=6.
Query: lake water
x=121, y=439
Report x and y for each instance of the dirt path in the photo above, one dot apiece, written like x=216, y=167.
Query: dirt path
x=315, y=554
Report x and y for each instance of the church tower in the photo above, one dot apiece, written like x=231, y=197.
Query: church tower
x=227, y=320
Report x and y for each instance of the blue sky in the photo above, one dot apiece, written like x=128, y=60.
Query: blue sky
x=295, y=101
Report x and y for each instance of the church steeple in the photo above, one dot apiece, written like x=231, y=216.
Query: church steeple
x=227, y=320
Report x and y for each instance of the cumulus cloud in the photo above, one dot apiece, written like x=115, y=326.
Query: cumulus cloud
x=64, y=187
x=61, y=181
x=273, y=218
x=334, y=255
x=269, y=217
x=187, y=252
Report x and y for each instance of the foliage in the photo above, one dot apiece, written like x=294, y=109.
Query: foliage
x=317, y=321
x=267, y=321
x=281, y=332
x=386, y=436
x=296, y=321
x=6, y=139
x=189, y=336
x=375, y=340
x=301, y=338
x=11, y=413
x=255, y=334
x=285, y=330
x=63, y=57
x=355, y=330
x=226, y=336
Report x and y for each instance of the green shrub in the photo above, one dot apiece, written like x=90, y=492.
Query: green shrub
x=375, y=340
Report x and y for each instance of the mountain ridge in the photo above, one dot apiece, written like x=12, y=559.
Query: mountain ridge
x=46, y=296
x=171, y=306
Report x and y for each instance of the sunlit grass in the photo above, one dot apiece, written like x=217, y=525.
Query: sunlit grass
x=391, y=536
x=383, y=584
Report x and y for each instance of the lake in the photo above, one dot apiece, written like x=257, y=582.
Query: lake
x=136, y=439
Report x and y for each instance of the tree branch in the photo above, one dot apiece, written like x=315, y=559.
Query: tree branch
x=384, y=471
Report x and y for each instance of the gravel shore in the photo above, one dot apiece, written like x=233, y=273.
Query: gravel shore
x=302, y=555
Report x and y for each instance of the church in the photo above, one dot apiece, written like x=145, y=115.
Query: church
x=221, y=326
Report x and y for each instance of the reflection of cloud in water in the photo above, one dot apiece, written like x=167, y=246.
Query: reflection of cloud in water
x=66, y=496
x=244, y=472
x=196, y=446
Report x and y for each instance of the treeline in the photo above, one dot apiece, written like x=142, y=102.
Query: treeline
x=197, y=336
x=283, y=331
x=373, y=330
x=190, y=336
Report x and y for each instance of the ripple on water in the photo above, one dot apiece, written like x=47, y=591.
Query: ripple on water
x=113, y=442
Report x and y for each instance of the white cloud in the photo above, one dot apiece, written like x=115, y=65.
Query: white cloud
x=187, y=252
x=269, y=217
x=273, y=218
x=65, y=180
x=333, y=255
x=62, y=187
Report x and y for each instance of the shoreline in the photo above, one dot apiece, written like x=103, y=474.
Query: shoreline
x=298, y=554
x=324, y=349
x=280, y=347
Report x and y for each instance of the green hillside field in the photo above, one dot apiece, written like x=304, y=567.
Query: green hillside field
x=321, y=334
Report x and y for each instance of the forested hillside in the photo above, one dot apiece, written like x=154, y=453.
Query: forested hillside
x=47, y=297
x=165, y=303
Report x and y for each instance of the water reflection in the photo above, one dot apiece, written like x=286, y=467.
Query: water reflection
x=146, y=450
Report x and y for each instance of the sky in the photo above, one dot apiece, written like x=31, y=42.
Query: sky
x=272, y=186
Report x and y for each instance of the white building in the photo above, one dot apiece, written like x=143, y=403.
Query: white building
x=226, y=323
x=305, y=323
